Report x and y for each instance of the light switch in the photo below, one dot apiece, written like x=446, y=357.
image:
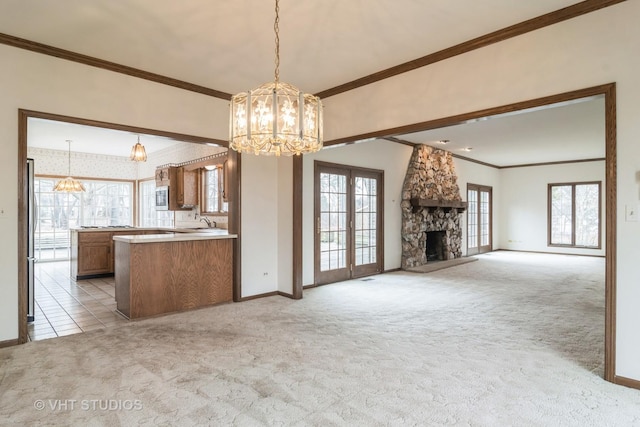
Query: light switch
x=631, y=213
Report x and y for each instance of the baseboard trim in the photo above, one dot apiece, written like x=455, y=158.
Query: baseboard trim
x=268, y=294
x=627, y=382
x=284, y=294
x=9, y=343
x=543, y=252
x=392, y=270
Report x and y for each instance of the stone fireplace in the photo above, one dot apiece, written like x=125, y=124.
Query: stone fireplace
x=431, y=208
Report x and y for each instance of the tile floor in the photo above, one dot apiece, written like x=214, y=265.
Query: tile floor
x=65, y=307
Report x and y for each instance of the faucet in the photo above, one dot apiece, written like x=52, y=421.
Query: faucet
x=210, y=224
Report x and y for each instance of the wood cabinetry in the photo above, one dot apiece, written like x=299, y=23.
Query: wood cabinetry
x=187, y=187
x=93, y=252
x=164, y=277
x=183, y=186
x=162, y=177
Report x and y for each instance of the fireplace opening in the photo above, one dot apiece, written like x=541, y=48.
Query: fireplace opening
x=435, y=247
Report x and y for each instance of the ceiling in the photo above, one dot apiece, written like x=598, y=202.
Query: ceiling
x=560, y=132
x=54, y=135
x=228, y=45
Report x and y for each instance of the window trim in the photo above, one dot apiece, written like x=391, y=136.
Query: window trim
x=573, y=214
x=221, y=192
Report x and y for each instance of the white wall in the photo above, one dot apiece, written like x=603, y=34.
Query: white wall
x=390, y=157
x=259, y=224
x=586, y=51
x=43, y=83
x=474, y=173
x=524, y=211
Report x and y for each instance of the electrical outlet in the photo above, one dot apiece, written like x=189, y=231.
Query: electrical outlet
x=631, y=213
x=3, y=213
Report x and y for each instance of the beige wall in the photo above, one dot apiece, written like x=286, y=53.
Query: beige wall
x=590, y=50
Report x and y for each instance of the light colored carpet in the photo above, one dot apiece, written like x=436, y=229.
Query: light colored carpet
x=440, y=265
x=513, y=339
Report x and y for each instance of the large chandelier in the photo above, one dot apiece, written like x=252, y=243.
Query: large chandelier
x=276, y=118
x=69, y=184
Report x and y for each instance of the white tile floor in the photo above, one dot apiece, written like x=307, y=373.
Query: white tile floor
x=65, y=307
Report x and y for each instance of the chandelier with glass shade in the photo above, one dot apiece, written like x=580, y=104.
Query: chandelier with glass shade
x=138, y=153
x=69, y=184
x=275, y=118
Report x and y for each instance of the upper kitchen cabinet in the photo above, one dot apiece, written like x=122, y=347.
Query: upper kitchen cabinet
x=187, y=187
x=182, y=185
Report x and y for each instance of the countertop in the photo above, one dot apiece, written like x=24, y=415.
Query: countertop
x=168, y=234
x=178, y=236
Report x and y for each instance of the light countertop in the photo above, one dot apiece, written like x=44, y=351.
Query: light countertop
x=178, y=236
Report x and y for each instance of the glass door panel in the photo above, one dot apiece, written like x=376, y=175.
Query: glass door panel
x=478, y=219
x=332, y=240
x=365, y=204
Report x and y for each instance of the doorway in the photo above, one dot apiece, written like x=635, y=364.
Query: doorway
x=479, y=219
x=60, y=290
x=349, y=222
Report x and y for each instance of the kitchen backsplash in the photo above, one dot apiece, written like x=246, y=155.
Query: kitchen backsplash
x=191, y=219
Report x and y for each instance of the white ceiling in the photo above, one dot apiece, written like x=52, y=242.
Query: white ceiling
x=562, y=132
x=228, y=45
x=88, y=139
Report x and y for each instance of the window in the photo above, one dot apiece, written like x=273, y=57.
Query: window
x=149, y=216
x=574, y=215
x=213, y=187
x=104, y=203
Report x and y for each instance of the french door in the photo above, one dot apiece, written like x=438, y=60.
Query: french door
x=479, y=219
x=348, y=222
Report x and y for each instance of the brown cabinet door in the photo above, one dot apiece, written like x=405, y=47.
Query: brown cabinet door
x=186, y=187
x=94, y=258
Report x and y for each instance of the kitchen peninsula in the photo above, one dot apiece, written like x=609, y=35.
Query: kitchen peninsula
x=159, y=270
x=164, y=273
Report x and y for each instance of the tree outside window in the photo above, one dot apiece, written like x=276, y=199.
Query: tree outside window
x=574, y=214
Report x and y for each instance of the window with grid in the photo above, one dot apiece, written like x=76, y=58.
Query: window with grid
x=103, y=203
x=574, y=214
x=147, y=213
x=213, y=186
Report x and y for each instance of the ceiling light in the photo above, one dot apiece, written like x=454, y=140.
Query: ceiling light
x=466, y=149
x=275, y=118
x=69, y=184
x=138, y=153
x=443, y=141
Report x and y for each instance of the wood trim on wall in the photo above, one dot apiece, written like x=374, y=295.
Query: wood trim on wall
x=627, y=382
x=297, y=227
x=524, y=27
x=465, y=117
x=611, y=212
x=107, y=65
x=117, y=126
x=234, y=168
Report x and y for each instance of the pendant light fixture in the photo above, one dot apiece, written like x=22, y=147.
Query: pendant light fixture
x=275, y=118
x=138, y=153
x=69, y=184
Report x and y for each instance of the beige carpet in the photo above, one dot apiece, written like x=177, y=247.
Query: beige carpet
x=513, y=339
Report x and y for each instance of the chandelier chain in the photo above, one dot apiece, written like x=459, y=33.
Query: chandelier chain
x=276, y=29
